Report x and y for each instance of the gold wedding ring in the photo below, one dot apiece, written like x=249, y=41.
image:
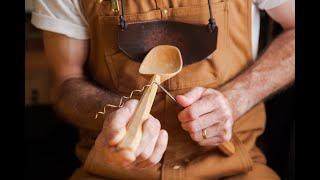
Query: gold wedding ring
x=204, y=134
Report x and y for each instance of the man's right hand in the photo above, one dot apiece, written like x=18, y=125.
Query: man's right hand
x=152, y=145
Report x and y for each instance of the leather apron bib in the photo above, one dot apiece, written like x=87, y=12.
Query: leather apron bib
x=113, y=70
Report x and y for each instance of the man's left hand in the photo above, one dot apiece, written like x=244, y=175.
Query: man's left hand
x=206, y=109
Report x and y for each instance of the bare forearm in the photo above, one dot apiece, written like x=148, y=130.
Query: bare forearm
x=273, y=71
x=78, y=101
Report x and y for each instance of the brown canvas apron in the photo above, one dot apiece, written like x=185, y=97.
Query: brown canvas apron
x=113, y=70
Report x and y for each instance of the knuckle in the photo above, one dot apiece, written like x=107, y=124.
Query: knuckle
x=194, y=136
x=132, y=102
x=191, y=112
x=219, y=98
x=111, y=126
x=227, y=137
x=217, y=93
x=229, y=124
x=152, y=162
x=209, y=91
x=112, y=116
x=114, y=126
x=112, y=133
x=225, y=129
x=145, y=155
x=180, y=116
x=153, y=124
x=190, y=127
x=130, y=106
x=224, y=115
x=224, y=104
x=124, y=111
x=199, y=88
x=193, y=126
x=212, y=97
x=229, y=114
x=157, y=123
x=224, y=137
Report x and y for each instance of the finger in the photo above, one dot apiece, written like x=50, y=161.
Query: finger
x=198, y=108
x=158, y=152
x=213, y=141
x=118, y=120
x=209, y=91
x=190, y=97
x=125, y=157
x=119, y=157
x=228, y=129
x=210, y=131
x=215, y=136
x=117, y=136
x=150, y=133
x=203, y=122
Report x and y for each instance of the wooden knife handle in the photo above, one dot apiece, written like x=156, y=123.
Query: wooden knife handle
x=134, y=127
x=227, y=148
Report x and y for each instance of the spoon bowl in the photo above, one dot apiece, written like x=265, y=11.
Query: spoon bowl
x=164, y=61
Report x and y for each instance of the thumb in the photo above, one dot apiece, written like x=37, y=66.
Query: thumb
x=190, y=97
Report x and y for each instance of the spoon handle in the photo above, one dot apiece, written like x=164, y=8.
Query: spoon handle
x=142, y=113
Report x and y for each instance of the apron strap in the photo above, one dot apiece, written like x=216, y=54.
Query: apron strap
x=123, y=24
x=212, y=23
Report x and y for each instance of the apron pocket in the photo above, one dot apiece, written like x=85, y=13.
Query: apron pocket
x=215, y=165
x=202, y=73
x=123, y=71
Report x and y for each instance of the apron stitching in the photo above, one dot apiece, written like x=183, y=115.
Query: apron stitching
x=115, y=73
x=245, y=155
x=240, y=157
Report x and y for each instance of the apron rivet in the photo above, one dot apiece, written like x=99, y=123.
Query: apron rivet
x=165, y=11
x=176, y=167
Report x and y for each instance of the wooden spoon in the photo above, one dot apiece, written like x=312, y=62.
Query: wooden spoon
x=162, y=63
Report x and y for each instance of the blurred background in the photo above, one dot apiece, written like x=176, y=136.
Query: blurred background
x=49, y=142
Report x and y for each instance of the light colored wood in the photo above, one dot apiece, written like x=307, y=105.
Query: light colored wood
x=134, y=128
x=227, y=148
x=162, y=62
